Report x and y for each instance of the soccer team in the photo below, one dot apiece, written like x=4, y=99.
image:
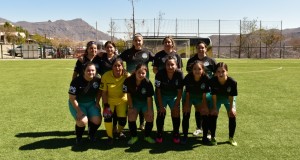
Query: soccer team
x=128, y=93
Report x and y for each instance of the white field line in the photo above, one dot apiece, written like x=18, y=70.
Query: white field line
x=267, y=70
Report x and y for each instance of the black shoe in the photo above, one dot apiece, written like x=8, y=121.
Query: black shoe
x=184, y=140
x=206, y=141
x=121, y=135
x=92, y=139
x=110, y=141
x=78, y=141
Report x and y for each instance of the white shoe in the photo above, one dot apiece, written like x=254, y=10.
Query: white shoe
x=197, y=132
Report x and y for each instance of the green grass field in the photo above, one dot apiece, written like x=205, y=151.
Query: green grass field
x=36, y=123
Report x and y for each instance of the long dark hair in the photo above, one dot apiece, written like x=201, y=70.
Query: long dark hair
x=124, y=71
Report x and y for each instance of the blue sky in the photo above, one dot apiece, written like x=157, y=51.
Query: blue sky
x=101, y=11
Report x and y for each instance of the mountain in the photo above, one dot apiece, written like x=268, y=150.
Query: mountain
x=76, y=29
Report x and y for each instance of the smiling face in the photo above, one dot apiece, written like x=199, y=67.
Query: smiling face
x=117, y=68
x=222, y=73
x=171, y=65
x=110, y=49
x=90, y=72
x=198, y=70
x=92, y=50
x=138, y=42
x=201, y=48
x=141, y=73
x=168, y=44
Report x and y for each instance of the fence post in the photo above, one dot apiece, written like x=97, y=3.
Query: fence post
x=1, y=51
x=230, y=50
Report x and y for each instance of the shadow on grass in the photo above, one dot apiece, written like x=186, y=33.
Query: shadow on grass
x=101, y=142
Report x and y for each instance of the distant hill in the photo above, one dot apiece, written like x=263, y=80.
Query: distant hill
x=76, y=29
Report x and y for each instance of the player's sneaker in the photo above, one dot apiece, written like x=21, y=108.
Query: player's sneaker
x=149, y=140
x=142, y=127
x=121, y=135
x=132, y=140
x=232, y=142
x=78, y=141
x=205, y=141
x=197, y=132
x=176, y=139
x=213, y=141
x=159, y=140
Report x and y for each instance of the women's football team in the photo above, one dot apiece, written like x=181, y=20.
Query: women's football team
x=125, y=95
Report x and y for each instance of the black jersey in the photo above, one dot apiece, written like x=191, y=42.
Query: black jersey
x=169, y=87
x=196, y=87
x=85, y=91
x=133, y=57
x=209, y=65
x=105, y=64
x=227, y=89
x=160, y=59
x=138, y=93
x=80, y=64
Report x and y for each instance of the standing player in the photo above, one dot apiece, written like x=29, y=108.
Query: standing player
x=135, y=55
x=168, y=91
x=84, y=97
x=114, y=99
x=105, y=63
x=224, y=91
x=209, y=67
x=161, y=56
x=139, y=91
x=196, y=87
x=90, y=55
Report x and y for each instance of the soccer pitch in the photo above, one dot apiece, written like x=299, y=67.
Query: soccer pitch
x=36, y=123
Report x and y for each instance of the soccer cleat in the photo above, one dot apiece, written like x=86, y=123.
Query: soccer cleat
x=197, y=132
x=149, y=140
x=78, y=140
x=213, y=141
x=142, y=127
x=92, y=138
x=176, y=139
x=132, y=140
x=232, y=142
x=159, y=140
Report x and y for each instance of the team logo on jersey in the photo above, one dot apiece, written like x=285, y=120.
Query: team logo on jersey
x=203, y=86
x=157, y=83
x=143, y=90
x=144, y=55
x=229, y=89
x=96, y=85
x=72, y=90
x=206, y=63
x=124, y=88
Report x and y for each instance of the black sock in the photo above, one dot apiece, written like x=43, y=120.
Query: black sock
x=160, y=120
x=148, y=128
x=186, y=123
x=115, y=119
x=213, y=125
x=176, y=124
x=232, y=126
x=198, y=119
x=79, y=131
x=132, y=128
x=141, y=116
x=93, y=129
x=205, y=125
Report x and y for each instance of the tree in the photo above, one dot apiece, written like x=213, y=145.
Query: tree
x=270, y=38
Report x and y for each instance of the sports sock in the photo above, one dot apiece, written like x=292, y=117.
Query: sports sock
x=132, y=128
x=160, y=120
x=213, y=125
x=232, y=126
x=109, y=129
x=93, y=129
x=148, y=128
x=79, y=131
x=198, y=119
x=205, y=125
x=176, y=124
x=186, y=123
